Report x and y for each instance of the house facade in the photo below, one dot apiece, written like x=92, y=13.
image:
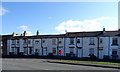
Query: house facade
x=100, y=44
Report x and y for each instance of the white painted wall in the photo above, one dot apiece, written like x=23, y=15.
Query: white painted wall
x=82, y=52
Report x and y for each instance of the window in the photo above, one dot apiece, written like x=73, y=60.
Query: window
x=101, y=41
x=72, y=50
x=13, y=42
x=31, y=50
x=59, y=42
x=91, y=51
x=101, y=48
x=54, y=41
x=29, y=42
x=60, y=46
x=114, y=41
x=25, y=50
x=78, y=40
x=12, y=49
x=17, y=41
x=71, y=41
x=43, y=41
x=36, y=42
x=92, y=41
x=1, y=43
x=114, y=52
x=25, y=41
x=54, y=50
x=36, y=50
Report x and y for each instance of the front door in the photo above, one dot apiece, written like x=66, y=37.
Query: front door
x=18, y=49
x=100, y=54
x=30, y=50
x=54, y=51
x=44, y=51
x=79, y=52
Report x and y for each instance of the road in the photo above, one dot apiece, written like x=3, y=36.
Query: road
x=40, y=64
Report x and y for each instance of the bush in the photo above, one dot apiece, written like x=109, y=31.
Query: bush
x=11, y=53
x=92, y=56
x=70, y=55
x=21, y=53
x=114, y=56
x=50, y=54
x=105, y=57
x=36, y=54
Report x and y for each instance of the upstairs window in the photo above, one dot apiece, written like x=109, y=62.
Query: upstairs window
x=91, y=41
x=25, y=41
x=13, y=42
x=18, y=42
x=71, y=41
x=54, y=41
x=1, y=43
x=43, y=41
x=37, y=41
x=78, y=40
x=29, y=42
x=101, y=41
x=114, y=41
x=59, y=42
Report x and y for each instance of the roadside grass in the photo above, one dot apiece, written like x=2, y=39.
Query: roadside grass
x=94, y=62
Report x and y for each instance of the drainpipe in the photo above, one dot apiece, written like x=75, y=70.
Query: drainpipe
x=76, y=48
x=57, y=46
x=82, y=45
x=109, y=47
x=41, y=46
x=27, y=46
x=33, y=47
x=15, y=47
x=64, y=45
x=98, y=48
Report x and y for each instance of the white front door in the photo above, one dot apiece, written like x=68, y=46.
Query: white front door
x=100, y=54
x=79, y=52
x=45, y=51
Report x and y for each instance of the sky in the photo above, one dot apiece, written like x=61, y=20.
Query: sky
x=58, y=17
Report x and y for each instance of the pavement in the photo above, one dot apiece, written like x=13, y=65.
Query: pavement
x=45, y=64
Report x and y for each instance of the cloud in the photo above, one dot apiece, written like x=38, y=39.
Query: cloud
x=29, y=33
x=23, y=27
x=3, y=11
x=85, y=25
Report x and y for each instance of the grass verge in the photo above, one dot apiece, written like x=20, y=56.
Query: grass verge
x=94, y=62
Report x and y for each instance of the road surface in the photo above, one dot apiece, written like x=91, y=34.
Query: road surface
x=40, y=64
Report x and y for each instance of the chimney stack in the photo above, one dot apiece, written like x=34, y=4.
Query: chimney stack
x=21, y=34
x=13, y=33
x=37, y=33
x=103, y=30
x=24, y=34
x=119, y=31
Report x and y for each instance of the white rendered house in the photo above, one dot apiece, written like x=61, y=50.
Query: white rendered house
x=73, y=44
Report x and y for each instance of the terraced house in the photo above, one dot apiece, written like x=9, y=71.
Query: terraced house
x=100, y=44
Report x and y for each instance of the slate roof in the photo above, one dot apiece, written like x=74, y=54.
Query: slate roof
x=72, y=34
